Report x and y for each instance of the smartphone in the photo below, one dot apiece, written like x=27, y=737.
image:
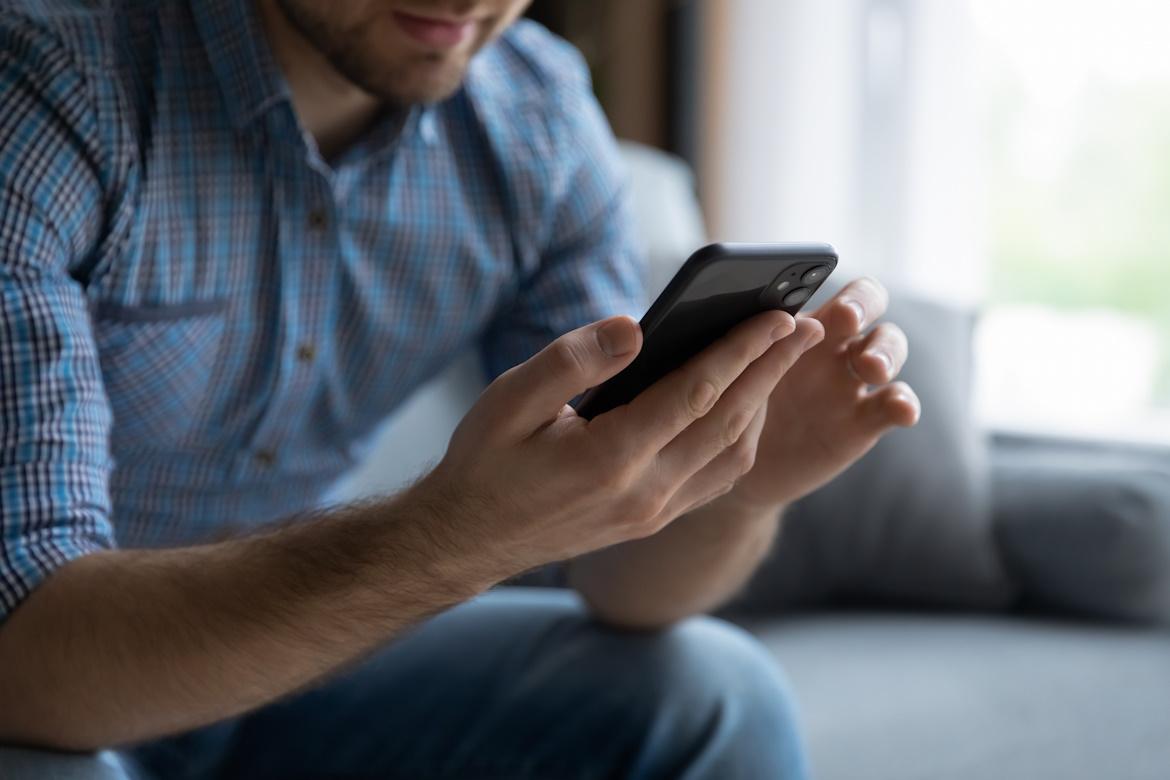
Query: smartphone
x=718, y=287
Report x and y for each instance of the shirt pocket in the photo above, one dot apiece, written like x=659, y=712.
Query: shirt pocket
x=157, y=365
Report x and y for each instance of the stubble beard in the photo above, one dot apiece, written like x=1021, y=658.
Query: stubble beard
x=421, y=78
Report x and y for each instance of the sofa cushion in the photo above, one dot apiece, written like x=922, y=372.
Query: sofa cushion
x=910, y=521
x=1086, y=529
x=918, y=697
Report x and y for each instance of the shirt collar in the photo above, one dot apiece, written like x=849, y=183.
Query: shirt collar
x=240, y=57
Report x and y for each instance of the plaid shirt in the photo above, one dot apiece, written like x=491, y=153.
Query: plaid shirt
x=202, y=321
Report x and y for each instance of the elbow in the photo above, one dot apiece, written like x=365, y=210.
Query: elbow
x=65, y=743
x=629, y=609
x=52, y=734
x=634, y=614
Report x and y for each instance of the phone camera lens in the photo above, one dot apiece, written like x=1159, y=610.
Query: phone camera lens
x=814, y=275
x=797, y=296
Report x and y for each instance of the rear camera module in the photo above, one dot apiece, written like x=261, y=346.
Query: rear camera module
x=814, y=275
x=797, y=296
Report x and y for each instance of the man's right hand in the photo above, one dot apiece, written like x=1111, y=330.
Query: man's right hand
x=526, y=481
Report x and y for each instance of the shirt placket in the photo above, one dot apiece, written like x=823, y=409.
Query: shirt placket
x=308, y=247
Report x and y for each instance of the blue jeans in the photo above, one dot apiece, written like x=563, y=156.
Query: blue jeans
x=516, y=684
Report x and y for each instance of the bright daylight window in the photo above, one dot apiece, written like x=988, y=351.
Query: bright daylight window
x=1076, y=338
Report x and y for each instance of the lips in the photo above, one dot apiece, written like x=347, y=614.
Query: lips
x=436, y=33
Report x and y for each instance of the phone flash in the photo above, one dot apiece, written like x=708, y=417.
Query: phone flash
x=782, y=286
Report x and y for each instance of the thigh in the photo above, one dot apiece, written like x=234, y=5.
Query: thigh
x=521, y=683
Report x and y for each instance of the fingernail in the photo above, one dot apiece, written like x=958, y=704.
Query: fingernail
x=813, y=338
x=857, y=310
x=617, y=338
x=886, y=361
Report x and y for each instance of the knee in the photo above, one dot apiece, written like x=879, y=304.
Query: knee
x=28, y=764
x=726, y=672
x=715, y=700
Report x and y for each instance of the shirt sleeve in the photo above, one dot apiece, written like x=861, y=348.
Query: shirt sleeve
x=54, y=416
x=592, y=266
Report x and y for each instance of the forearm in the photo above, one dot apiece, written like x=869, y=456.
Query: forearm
x=695, y=564
x=123, y=646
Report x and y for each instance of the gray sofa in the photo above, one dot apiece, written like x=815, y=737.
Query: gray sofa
x=1032, y=688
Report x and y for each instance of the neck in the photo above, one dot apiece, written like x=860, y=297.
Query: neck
x=333, y=109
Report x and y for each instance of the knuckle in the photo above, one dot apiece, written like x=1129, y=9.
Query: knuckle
x=737, y=423
x=744, y=457
x=645, y=505
x=656, y=499
x=714, y=492
x=702, y=397
x=647, y=526
x=724, y=489
x=743, y=450
x=569, y=354
x=614, y=476
x=746, y=350
x=733, y=429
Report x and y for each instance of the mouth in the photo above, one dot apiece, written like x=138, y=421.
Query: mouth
x=435, y=32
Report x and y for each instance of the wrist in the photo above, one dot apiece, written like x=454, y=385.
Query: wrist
x=450, y=524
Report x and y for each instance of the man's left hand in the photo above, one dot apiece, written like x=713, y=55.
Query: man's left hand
x=834, y=405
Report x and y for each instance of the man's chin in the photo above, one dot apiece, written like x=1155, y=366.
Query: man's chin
x=421, y=85
x=423, y=94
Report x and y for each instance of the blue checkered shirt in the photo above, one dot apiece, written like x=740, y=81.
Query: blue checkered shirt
x=202, y=321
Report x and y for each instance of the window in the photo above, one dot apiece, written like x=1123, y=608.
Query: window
x=1076, y=113
x=1013, y=156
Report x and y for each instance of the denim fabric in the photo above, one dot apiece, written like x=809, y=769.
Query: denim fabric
x=518, y=684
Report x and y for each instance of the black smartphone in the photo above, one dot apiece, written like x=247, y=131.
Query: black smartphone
x=718, y=287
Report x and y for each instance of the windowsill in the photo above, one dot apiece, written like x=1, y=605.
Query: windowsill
x=1152, y=436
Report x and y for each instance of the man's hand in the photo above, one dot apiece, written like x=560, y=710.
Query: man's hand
x=835, y=405
x=526, y=481
x=823, y=415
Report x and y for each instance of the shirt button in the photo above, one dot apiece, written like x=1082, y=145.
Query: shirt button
x=306, y=352
x=265, y=457
x=318, y=219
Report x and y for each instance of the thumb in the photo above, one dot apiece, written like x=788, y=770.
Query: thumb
x=538, y=389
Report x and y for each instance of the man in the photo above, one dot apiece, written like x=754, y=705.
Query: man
x=233, y=237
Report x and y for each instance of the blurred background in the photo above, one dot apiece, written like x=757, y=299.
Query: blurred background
x=1010, y=156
